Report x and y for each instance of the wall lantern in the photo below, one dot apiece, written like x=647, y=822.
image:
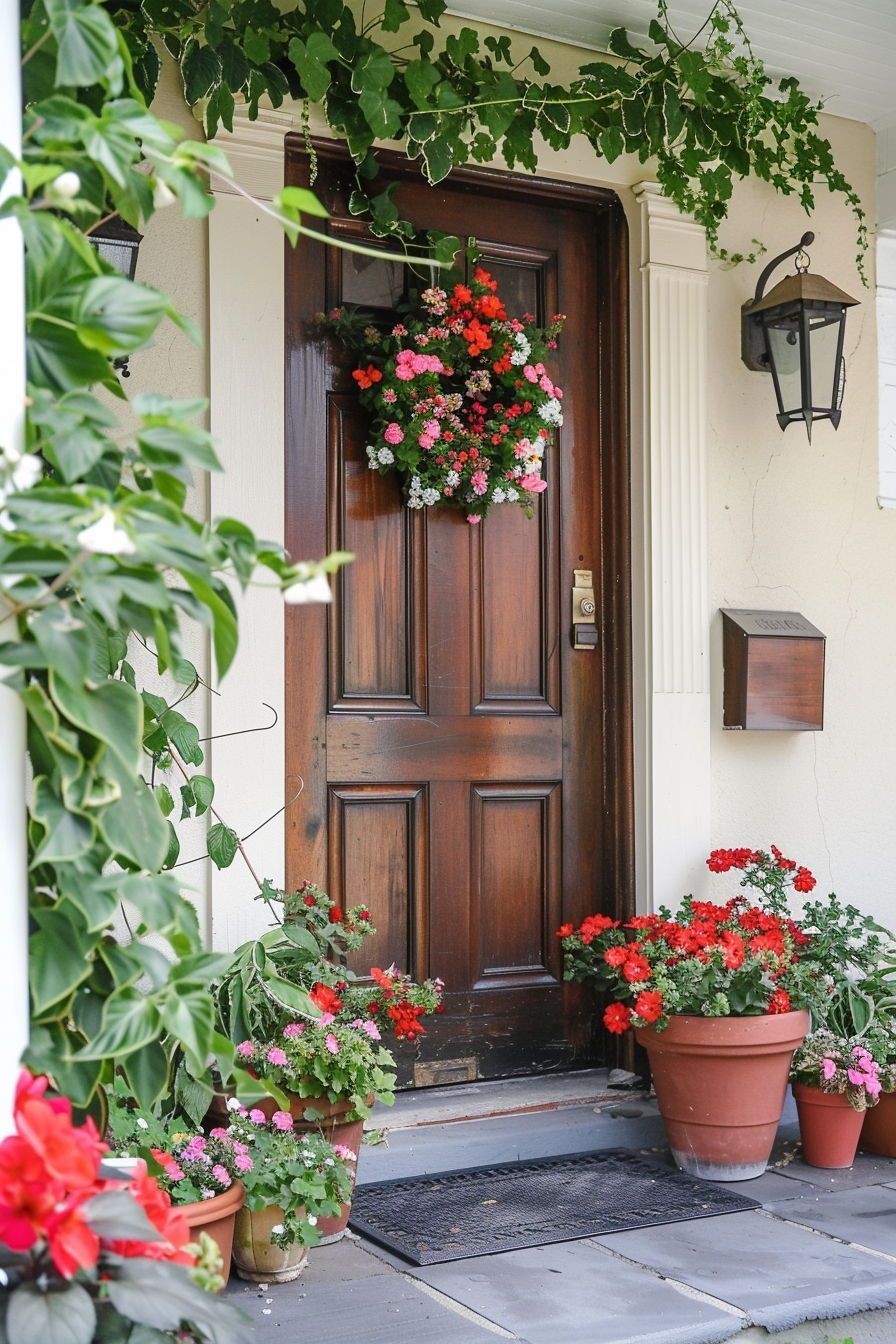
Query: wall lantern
x=795, y=332
x=118, y=244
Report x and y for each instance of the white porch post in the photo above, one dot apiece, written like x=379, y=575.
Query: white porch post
x=14, y=901
x=675, y=745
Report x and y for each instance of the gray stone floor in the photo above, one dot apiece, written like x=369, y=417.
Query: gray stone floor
x=815, y=1265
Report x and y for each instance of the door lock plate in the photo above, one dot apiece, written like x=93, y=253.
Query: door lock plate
x=584, y=610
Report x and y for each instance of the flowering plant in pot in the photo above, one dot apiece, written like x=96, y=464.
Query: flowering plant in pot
x=462, y=404
x=85, y=1256
x=717, y=995
x=295, y=1181
x=202, y=1174
x=836, y=1079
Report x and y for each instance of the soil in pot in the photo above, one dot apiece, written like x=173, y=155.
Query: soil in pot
x=217, y=1217
x=879, y=1128
x=255, y=1256
x=720, y=1083
x=829, y=1127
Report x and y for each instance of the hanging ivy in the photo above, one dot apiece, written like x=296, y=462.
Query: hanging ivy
x=703, y=107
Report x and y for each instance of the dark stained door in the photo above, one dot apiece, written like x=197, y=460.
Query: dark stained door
x=467, y=772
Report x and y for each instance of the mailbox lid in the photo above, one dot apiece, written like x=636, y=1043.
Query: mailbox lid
x=771, y=624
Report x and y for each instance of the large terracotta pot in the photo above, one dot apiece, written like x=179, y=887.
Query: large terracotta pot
x=720, y=1083
x=879, y=1129
x=829, y=1126
x=217, y=1216
x=334, y=1125
x=256, y=1257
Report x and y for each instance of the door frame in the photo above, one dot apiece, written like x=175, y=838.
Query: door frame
x=305, y=754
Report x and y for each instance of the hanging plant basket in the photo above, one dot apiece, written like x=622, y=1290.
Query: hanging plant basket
x=461, y=401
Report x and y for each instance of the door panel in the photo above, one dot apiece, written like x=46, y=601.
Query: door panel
x=462, y=762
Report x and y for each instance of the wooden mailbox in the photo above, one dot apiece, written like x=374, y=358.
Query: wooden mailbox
x=774, y=671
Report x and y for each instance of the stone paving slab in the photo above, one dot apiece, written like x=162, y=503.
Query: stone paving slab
x=865, y=1215
x=379, y=1309
x=575, y=1293
x=779, y=1274
x=865, y=1170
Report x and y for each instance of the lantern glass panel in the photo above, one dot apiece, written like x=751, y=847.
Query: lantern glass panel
x=122, y=255
x=824, y=349
x=785, y=353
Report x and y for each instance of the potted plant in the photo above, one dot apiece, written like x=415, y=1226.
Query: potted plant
x=295, y=1180
x=835, y=1081
x=201, y=1173
x=717, y=995
x=85, y=1257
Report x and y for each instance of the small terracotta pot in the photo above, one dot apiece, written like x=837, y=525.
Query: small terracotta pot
x=829, y=1126
x=879, y=1128
x=720, y=1083
x=255, y=1256
x=217, y=1216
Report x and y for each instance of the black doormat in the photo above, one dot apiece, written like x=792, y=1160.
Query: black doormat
x=483, y=1210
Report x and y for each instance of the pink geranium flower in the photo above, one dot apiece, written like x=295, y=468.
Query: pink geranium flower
x=221, y=1175
x=242, y=1162
x=533, y=483
x=332, y=1044
x=479, y=482
x=293, y=1029
x=282, y=1120
x=393, y=433
x=828, y=1069
x=246, y=1049
x=257, y=1116
x=277, y=1056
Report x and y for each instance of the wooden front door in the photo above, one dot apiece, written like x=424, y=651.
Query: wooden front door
x=467, y=773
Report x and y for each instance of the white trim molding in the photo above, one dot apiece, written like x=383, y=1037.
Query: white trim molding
x=246, y=376
x=670, y=488
x=886, y=365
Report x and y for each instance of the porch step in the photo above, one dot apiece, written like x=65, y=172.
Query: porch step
x=471, y=1101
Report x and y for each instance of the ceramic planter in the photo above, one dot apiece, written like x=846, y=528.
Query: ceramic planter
x=879, y=1129
x=255, y=1256
x=720, y=1084
x=336, y=1128
x=829, y=1126
x=217, y=1216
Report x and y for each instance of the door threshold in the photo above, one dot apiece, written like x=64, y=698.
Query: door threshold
x=506, y=1096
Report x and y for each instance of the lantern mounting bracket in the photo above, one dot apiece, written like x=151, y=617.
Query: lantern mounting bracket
x=752, y=343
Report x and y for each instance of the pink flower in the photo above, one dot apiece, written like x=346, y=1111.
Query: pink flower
x=425, y=440
x=217, y=1133
x=242, y=1162
x=257, y=1116
x=221, y=1175
x=239, y=1147
x=546, y=385
x=432, y=428
x=282, y=1120
x=372, y=1030
x=404, y=372
x=828, y=1069
x=325, y=1019
x=479, y=482
x=345, y=1153
x=174, y=1172
x=393, y=433
x=858, y=1079
x=872, y=1085
x=293, y=1029
x=473, y=518
x=530, y=374
x=246, y=1049
x=277, y=1056
x=533, y=483
x=332, y=1044
x=389, y=395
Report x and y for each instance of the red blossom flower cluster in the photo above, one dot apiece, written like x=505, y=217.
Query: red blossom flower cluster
x=48, y=1173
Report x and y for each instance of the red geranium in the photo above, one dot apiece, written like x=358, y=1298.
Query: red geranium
x=617, y=1018
x=649, y=1005
x=326, y=999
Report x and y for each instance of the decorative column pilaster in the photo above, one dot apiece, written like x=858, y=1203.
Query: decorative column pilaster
x=675, y=741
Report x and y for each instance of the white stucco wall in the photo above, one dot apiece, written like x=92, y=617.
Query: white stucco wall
x=791, y=525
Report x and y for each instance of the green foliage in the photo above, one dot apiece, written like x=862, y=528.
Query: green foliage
x=707, y=115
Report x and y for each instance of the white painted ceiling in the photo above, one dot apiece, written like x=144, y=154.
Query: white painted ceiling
x=840, y=50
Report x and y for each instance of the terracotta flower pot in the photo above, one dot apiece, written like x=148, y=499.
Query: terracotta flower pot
x=256, y=1257
x=829, y=1126
x=879, y=1128
x=334, y=1126
x=217, y=1216
x=720, y=1083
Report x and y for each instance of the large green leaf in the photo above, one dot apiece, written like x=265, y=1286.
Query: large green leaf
x=147, y=1072
x=65, y=1316
x=58, y=953
x=111, y=712
x=87, y=44
x=134, y=828
x=163, y=1296
x=130, y=1021
x=116, y=1215
x=310, y=59
x=222, y=844
x=117, y=316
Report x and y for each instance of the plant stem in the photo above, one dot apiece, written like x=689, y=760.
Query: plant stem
x=216, y=814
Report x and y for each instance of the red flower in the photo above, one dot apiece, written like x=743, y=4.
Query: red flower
x=327, y=1000
x=617, y=1018
x=616, y=956
x=594, y=925
x=636, y=968
x=733, y=946
x=367, y=377
x=565, y=930
x=71, y=1155
x=167, y=1220
x=491, y=306
x=719, y=861
x=649, y=1005
x=336, y=915
x=482, y=277
x=309, y=900
x=787, y=865
x=804, y=881
x=27, y=1195
x=73, y=1244
x=779, y=1002
x=768, y=942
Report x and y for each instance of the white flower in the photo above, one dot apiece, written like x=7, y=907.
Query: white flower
x=232, y=1104
x=162, y=194
x=386, y=456
x=66, y=185
x=142, y=1124
x=207, y=1194
x=105, y=537
x=498, y=495
x=452, y=479
x=312, y=1219
x=552, y=412
x=313, y=589
x=415, y=484
x=328, y=1162
x=415, y=500
x=431, y=496
x=277, y=1230
x=523, y=350
x=512, y=495
x=27, y=472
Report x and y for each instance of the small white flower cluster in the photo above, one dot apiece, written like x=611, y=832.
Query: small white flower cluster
x=452, y=479
x=512, y=494
x=552, y=412
x=498, y=495
x=379, y=457
x=523, y=349
x=420, y=497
